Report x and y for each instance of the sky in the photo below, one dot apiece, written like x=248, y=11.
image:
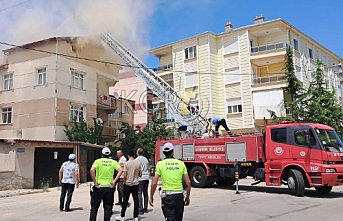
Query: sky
x=144, y=24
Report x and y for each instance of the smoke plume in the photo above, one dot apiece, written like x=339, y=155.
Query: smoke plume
x=126, y=20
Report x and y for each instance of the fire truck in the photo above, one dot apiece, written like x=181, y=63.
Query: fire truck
x=299, y=155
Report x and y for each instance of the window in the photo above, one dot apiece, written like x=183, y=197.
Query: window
x=6, y=115
x=126, y=109
x=77, y=79
x=310, y=53
x=77, y=112
x=234, y=109
x=190, y=52
x=300, y=137
x=234, y=106
x=41, y=76
x=279, y=135
x=8, y=81
x=295, y=44
x=288, y=110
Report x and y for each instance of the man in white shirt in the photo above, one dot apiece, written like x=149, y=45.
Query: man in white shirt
x=120, y=186
x=68, y=177
x=143, y=182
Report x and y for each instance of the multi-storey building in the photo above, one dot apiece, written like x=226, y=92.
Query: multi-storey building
x=43, y=86
x=46, y=84
x=132, y=88
x=238, y=74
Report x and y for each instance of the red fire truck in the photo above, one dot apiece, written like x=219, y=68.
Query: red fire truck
x=300, y=155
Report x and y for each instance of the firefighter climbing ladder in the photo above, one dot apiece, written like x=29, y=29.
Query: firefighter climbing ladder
x=159, y=87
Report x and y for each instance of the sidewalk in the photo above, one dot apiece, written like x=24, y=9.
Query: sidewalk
x=18, y=192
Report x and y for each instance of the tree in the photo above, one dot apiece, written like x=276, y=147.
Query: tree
x=294, y=86
x=319, y=103
x=145, y=139
x=316, y=104
x=80, y=131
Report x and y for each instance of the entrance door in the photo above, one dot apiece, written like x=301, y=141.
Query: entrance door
x=47, y=163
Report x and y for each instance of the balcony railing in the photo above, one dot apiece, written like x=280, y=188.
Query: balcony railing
x=106, y=101
x=110, y=131
x=163, y=68
x=115, y=115
x=269, y=47
x=268, y=79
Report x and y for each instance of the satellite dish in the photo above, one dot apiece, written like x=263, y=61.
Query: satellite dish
x=99, y=120
x=115, y=94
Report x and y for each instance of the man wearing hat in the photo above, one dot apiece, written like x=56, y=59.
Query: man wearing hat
x=102, y=172
x=171, y=171
x=68, y=177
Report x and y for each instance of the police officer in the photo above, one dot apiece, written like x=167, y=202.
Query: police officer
x=171, y=171
x=102, y=172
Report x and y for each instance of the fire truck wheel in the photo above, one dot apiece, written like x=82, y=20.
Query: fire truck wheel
x=296, y=183
x=198, y=177
x=226, y=182
x=323, y=189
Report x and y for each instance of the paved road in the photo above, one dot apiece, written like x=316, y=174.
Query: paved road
x=256, y=203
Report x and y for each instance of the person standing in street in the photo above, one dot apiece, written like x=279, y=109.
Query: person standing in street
x=68, y=177
x=120, y=186
x=171, y=171
x=132, y=171
x=143, y=182
x=102, y=172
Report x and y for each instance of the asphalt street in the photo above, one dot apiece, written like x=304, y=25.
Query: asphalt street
x=256, y=203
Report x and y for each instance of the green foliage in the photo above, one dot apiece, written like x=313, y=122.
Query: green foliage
x=319, y=103
x=45, y=184
x=145, y=139
x=276, y=119
x=80, y=131
x=294, y=87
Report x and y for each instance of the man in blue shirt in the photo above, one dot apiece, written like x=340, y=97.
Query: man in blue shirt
x=217, y=121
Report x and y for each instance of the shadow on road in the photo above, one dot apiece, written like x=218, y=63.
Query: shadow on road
x=277, y=190
x=77, y=208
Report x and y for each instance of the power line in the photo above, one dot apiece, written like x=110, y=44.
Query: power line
x=124, y=65
x=106, y=62
x=14, y=5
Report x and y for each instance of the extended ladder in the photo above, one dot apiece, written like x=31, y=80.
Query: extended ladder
x=159, y=87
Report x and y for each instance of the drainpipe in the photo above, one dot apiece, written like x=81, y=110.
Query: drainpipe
x=56, y=70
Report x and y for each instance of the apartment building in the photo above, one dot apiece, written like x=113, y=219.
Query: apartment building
x=238, y=74
x=130, y=87
x=45, y=84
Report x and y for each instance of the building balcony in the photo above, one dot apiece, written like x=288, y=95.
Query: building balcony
x=106, y=102
x=110, y=131
x=269, y=79
x=268, y=48
x=115, y=116
x=166, y=67
x=268, y=54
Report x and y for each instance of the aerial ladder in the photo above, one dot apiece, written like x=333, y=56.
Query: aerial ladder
x=193, y=121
